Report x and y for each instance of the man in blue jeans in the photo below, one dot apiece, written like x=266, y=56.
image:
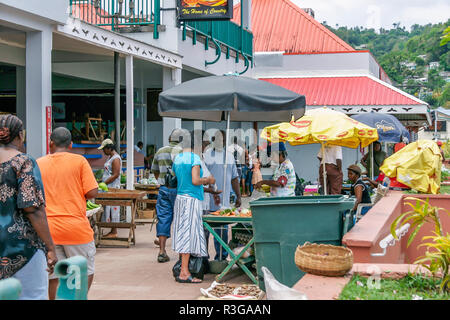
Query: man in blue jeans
x=161, y=165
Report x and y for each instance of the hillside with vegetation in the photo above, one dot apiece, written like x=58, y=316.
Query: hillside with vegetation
x=416, y=60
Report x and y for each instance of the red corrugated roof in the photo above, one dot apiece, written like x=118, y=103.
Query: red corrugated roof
x=279, y=25
x=344, y=91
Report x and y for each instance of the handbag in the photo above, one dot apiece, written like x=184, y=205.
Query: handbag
x=196, y=267
x=170, y=180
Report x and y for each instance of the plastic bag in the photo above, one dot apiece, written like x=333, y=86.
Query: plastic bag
x=196, y=267
x=278, y=291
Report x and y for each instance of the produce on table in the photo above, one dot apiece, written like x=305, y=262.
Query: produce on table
x=102, y=186
x=90, y=205
x=233, y=212
x=149, y=181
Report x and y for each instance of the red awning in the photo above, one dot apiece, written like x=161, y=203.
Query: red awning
x=346, y=91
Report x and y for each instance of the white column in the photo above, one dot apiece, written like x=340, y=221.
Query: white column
x=130, y=121
x=21, y=108
x=38, y=88
x=130, y=126
x=171, y=78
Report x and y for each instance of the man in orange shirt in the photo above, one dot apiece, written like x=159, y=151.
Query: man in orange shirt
x=68, y=181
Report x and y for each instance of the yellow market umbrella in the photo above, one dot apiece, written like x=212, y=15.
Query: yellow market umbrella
x=324, y=126
x=418, y=165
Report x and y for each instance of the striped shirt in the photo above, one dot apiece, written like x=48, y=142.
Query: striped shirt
x=163, y=160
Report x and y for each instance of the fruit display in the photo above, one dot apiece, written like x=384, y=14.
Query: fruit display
x=150, y=181
x=102, y=186
x=233, y=212
x=91, y=206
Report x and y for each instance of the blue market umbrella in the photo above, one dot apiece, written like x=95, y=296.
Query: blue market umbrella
x=389, y=127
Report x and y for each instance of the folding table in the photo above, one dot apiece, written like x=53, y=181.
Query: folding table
x=212, y=221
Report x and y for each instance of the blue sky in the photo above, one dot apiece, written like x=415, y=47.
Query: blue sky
x=378, y=13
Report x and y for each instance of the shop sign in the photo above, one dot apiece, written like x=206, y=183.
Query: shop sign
x=205, y=9
x=48, y=126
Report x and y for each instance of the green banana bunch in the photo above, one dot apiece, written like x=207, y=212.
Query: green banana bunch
x=90, y=205
x=102, y=186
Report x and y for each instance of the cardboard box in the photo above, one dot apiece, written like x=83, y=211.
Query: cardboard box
x=146, y=214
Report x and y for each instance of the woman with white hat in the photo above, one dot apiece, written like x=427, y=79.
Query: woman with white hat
x=111, y=177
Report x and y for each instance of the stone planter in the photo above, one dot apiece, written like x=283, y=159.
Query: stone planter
x=329, y=288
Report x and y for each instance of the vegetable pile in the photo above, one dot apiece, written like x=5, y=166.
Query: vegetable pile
x=91, y=206
x=233, y=212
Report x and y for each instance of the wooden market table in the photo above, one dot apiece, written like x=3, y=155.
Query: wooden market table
x=212, y=221
x=149, y=189
x=123, y=198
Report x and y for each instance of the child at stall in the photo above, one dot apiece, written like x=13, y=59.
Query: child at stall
x=257, y=176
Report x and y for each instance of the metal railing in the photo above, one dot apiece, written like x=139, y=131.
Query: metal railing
x=99, y=12
x=117, y=14
x=226, y=33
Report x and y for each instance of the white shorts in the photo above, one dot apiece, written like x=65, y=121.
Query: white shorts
x=33, y=278
x=86, y=250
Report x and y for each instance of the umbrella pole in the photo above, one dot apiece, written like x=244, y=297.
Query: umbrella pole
x=227, y=138
x=324, y=171
x=371, y=162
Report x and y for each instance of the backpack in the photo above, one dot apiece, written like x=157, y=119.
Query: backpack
x=170, y=180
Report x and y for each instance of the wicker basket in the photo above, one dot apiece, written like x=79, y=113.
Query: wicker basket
x=324, y=259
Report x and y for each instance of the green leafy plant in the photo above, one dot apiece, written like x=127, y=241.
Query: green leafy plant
x=439, y=259
x=438, y=252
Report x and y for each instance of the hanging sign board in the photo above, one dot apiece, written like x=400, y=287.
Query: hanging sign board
x=205, y=9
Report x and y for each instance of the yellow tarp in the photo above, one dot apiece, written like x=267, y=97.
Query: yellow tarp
x=418, y=165
x=325, y=126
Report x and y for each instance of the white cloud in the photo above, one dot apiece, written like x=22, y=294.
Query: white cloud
x=378, y=13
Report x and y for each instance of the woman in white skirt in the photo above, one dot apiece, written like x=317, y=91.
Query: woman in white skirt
x=188, y=235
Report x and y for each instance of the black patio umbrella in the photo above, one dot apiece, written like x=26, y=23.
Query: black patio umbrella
x=231, y=98
x=246, y=99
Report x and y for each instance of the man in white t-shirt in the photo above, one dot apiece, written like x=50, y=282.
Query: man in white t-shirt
x=333, y=168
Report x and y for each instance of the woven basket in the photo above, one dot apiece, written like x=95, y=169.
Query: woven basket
x=324, y=259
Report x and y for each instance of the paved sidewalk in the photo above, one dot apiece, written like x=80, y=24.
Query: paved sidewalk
x=134, y=273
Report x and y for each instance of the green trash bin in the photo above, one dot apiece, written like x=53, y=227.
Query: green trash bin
x=280, y=224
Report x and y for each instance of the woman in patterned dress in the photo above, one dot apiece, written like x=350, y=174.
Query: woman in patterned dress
x=26, y=246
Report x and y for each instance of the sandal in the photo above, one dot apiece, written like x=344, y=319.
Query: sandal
x=163, y=257
x=188, y=280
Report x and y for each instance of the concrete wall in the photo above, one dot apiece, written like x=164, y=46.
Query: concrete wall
x=365, y=236
x=315, y=64
x=57, y=12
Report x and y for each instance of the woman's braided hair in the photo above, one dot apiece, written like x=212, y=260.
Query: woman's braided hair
x=10, y=127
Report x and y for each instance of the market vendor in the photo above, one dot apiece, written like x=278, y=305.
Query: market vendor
x=283, y=180
x=378, y=158
x=111, y=177
x=359, y=189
